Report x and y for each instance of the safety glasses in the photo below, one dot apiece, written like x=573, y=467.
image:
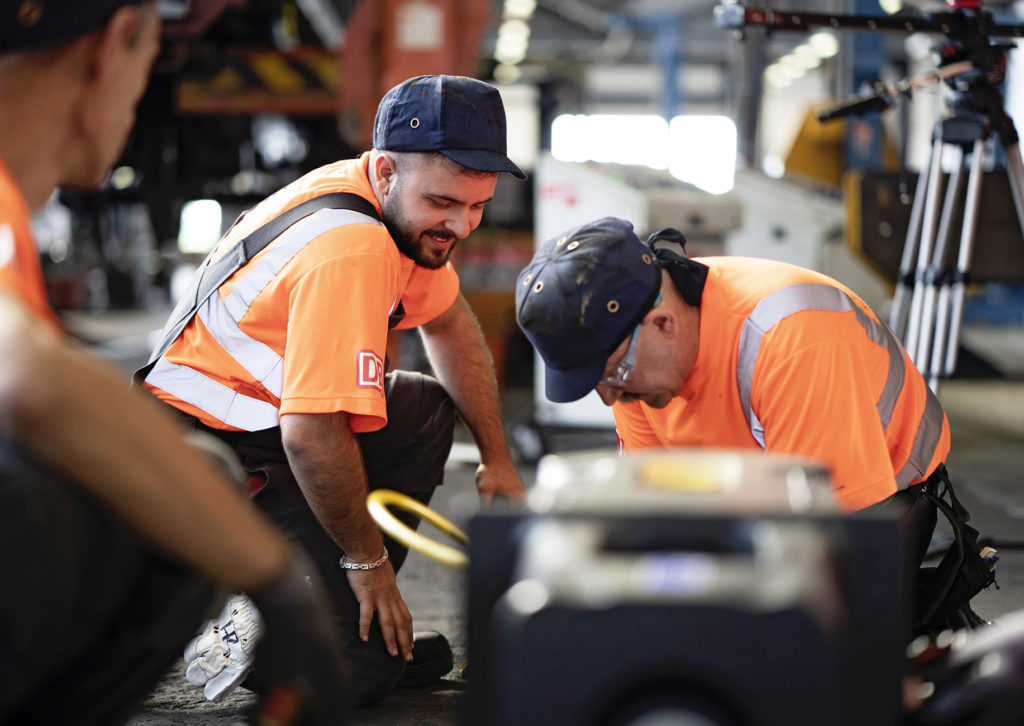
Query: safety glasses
x=624, y=371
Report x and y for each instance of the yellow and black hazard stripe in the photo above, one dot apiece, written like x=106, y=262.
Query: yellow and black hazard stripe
x=301, y=81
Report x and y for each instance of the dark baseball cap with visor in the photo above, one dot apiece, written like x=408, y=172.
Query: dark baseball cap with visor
x=32, y=24
x=582, y=294
x=462, y=118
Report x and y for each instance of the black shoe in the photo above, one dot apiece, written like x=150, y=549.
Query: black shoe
x=431, y=660
x=971, y=619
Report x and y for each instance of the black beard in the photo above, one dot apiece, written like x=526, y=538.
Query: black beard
x=408, y=247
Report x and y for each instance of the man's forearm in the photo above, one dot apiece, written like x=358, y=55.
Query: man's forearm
x=328, y=466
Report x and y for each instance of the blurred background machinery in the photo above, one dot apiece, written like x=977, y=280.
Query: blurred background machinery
x=644, y=108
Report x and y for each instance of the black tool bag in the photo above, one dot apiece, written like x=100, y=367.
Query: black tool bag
x=945, y=591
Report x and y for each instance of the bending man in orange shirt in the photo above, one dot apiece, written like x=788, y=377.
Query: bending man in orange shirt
x=117, y=535
x=736, y=353
x=284, y=360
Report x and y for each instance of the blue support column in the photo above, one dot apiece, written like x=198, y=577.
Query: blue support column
x=667, y=56
x=864, y=133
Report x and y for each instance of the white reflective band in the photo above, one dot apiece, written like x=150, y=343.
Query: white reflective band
x=812, y=296
x=929, y=433
x=224, y=404
x=259, y=359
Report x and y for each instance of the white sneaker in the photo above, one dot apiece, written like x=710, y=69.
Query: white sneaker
x=197, y=649
x=222, y=653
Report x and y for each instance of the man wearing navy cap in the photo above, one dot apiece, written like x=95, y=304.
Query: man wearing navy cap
x=285, y=359
x=116, y=534
x=744, y=353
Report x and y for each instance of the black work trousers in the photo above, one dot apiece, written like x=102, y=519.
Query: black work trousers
x=917, y=516
x=408, y=455
x=91, y=615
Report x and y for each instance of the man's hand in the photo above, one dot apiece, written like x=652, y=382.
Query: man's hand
x=376, y=590
x=499, y=480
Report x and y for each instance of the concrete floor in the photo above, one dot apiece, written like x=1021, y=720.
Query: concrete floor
x=987, y=464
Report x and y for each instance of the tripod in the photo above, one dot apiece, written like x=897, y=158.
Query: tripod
x=928, y=306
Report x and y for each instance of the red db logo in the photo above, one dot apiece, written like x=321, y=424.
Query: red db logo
x=371, y=370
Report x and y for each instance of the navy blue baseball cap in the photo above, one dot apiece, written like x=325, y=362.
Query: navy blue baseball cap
x=28, y=24
x=581, y=295
x=460, y=117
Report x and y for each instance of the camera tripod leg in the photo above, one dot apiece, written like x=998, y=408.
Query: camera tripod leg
x=931, y=210
x=901, y=301
x=951, y=312
x=1015, y=172
x=934, y=277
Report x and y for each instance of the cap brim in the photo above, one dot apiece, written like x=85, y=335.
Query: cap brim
x=562, y=386
x=482, y=160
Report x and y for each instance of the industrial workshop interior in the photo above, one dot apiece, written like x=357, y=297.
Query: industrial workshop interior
x=661, y=584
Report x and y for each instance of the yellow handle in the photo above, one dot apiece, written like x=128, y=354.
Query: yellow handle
x=378, y=502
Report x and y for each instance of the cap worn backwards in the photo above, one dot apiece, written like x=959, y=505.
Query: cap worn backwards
x=581, y=295
x=460, y=117
x=28, y=24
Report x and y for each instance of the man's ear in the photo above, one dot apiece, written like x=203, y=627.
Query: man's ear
x=664, y=322
x=121, y=32
x=384, y=173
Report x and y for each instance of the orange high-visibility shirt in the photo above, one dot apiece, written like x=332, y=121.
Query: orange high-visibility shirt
x=302, y=326
x=791, y=361
x=20, y=273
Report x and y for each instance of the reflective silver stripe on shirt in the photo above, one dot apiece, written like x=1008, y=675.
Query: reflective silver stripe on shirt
x=797, y=298
x=259, y=359
x=222, y=317
x=929, y=432
x=216, y=399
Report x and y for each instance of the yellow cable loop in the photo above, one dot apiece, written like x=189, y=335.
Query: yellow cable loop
x=378, y=502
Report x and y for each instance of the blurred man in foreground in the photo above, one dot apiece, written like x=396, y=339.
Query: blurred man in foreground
x=116, y=533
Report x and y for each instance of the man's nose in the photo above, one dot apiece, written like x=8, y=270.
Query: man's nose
x=460, y=224
x=609, y=394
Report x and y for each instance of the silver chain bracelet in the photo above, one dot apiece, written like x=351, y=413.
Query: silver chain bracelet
x=346, y=564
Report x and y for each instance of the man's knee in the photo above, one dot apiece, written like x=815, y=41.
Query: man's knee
x=409, y=453
x=418, y=404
